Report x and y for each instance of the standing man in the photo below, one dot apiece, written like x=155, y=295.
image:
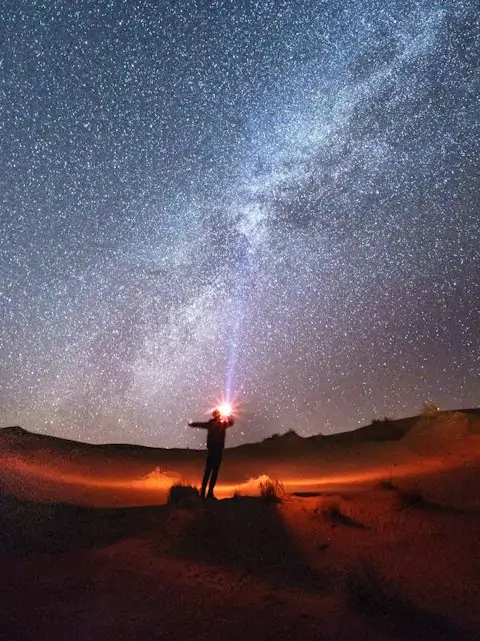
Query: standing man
x=216, y=427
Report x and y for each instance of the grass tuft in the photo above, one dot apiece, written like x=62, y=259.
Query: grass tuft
x=386, y=484
x=183, y=495
x=158, y=473
x=331, y=511
x=410, y=498
x=271, y=491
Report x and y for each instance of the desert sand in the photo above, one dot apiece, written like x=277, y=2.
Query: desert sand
x=375, y=535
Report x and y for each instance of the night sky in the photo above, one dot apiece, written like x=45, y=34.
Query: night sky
x=272, y=200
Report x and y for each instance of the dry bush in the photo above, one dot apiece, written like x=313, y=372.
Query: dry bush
x=386, y=484
x=271, y=491
x=158, y=473
x=380, y=421
x=183, y=495
x=410, y=497
x=331, y=511
x=434, y=432
x=429, y=410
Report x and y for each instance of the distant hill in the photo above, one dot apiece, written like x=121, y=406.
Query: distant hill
x=17, y=438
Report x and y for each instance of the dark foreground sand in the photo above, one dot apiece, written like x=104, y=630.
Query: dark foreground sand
x=385, y=544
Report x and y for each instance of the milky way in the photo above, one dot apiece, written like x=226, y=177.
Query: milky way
x=276, y=200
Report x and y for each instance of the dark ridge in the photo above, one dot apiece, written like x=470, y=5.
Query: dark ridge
x=70, y=444
x=378, y=431
x=14, y=430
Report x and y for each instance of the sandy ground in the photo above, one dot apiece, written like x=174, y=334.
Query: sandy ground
x=368, y=542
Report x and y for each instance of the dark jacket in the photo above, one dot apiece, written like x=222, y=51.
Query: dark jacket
x=216, y=433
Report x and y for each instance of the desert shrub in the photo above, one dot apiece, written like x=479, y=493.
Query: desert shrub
x=410, y=498
x=183, y=495
x=386, y=484
x=436, y=429
x=271, y=491
x=455, y=423
x=157, y=473
x=331, y=510
x=429, y=410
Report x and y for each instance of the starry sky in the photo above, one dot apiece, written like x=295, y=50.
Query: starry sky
x=271, y=200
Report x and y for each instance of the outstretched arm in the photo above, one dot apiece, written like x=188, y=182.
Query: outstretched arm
x=198, y=424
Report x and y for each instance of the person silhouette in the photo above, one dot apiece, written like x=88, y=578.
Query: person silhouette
x=216, y=428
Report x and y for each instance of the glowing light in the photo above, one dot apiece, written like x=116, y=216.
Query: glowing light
x=225, y=409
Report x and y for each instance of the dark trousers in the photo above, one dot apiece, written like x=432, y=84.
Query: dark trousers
x=212, y=465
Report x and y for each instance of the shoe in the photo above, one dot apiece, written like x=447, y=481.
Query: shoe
x=211, y=497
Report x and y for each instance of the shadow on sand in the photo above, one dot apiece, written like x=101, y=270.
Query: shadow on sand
x=29, y=527
x=249, y=535
x=246, y=534
x=388, y=610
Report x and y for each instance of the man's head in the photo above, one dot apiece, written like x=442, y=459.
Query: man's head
x=216, y=414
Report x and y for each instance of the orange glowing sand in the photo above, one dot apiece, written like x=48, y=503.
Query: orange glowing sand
x=352, y=559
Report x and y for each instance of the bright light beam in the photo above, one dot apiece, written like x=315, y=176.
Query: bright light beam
x=243, y=262
x=233, y=348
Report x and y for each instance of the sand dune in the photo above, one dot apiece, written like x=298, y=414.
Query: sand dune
x=376, y=537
